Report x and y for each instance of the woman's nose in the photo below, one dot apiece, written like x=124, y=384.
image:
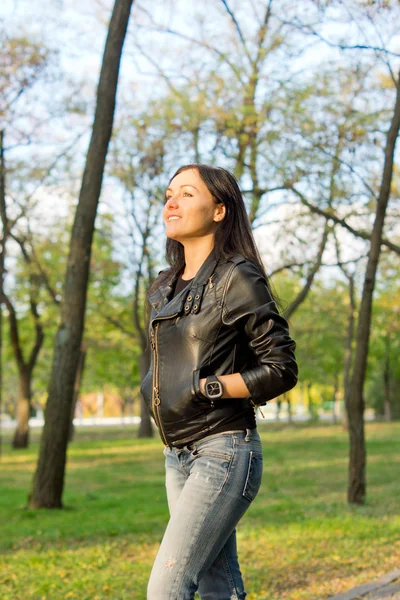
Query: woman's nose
x=171, y=202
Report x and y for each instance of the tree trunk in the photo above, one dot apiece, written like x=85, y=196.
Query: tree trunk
x=335, y=403
x=278, y=409
x=145, y=427
x=48, y=482
x=386, y=381
x=25, y=370
x=21, y=435
x=356, y=484
x=289, y=409
x=77, y=387
x=311, y=404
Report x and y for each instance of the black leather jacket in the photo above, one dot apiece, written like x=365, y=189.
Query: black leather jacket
x=224, y=322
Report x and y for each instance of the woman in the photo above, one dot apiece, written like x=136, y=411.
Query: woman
x=220, y=348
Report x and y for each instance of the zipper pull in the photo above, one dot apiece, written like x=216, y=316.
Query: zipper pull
x=152, y=342
x=157, y=400
x=259, y=408
x=210, y=283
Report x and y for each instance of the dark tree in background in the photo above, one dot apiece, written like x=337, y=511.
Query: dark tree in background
x=48, y=480
x=355, y=407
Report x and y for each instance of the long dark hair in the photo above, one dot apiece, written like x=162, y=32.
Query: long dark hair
x=233, y=234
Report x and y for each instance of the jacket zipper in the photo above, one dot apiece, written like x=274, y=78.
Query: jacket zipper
x=256, y=406
x=156, y=400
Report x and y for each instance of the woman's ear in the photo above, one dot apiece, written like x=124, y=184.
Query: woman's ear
x=220, y=212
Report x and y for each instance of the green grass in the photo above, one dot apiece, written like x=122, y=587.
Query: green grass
x=299, y=540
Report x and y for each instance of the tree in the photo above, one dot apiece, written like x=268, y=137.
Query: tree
x=372, y=43
x=48, y=482
x=25, y=365
x=22, y=63
x=357, y=486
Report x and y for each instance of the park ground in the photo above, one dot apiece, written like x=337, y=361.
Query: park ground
x=300, y=540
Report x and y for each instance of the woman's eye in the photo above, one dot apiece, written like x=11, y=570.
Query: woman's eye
x=166, y=198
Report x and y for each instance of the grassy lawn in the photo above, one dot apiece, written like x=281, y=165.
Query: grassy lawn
x=299, y=539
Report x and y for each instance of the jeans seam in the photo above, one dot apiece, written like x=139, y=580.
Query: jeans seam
x=228, y=572
x=247, y=476
x=217, y=455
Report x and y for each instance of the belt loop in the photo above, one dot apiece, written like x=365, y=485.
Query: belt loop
x=247, y=438
x=192, y=447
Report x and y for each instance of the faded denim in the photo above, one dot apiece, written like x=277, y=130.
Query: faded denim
x=210, y=485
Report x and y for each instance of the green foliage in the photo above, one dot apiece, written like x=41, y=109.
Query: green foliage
x=384, y=348
x=23, y=61
x=319, y=328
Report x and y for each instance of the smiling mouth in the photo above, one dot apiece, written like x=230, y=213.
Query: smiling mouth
x=173, y=219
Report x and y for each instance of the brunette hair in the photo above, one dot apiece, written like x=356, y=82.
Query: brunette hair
x=233, y=234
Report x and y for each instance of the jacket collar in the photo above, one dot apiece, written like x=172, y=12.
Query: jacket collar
x=159, y=298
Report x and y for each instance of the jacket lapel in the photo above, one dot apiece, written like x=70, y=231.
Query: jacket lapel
x=159, y=299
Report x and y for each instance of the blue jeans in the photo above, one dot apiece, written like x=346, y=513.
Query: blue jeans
x=210, y=485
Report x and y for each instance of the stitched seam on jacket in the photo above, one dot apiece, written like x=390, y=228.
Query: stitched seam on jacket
x=228, y=279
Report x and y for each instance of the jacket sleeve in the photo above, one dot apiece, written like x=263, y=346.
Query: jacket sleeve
x=248, y=306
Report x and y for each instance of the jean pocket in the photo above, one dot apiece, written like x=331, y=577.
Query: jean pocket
x=212, y=454
x=253, y=476
x=219, y=447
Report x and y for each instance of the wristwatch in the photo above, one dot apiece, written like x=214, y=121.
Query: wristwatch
x=213, y=388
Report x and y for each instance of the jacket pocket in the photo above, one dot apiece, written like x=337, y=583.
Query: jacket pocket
x=179, y=401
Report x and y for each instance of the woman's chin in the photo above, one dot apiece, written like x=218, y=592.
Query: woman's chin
x=173, y=236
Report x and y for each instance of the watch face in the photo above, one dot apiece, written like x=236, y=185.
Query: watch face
x=214, y=389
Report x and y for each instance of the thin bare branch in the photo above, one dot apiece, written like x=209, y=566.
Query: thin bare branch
x=238, y=29
x=308, y=29
x=222, y=55
x=311, y=274
x=331, y=215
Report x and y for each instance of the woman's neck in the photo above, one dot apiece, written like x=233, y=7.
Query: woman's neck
x=196, y=252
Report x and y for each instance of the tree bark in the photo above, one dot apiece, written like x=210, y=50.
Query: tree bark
x=289, y=409
x=25, y=367
x=335, y=398
x=21, y=435
x=356, y=484
x=278, y=409
x=48, y=481
x=77, y=387
x=386, y=381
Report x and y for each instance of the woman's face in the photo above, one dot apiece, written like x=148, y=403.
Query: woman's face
x=189, y=199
